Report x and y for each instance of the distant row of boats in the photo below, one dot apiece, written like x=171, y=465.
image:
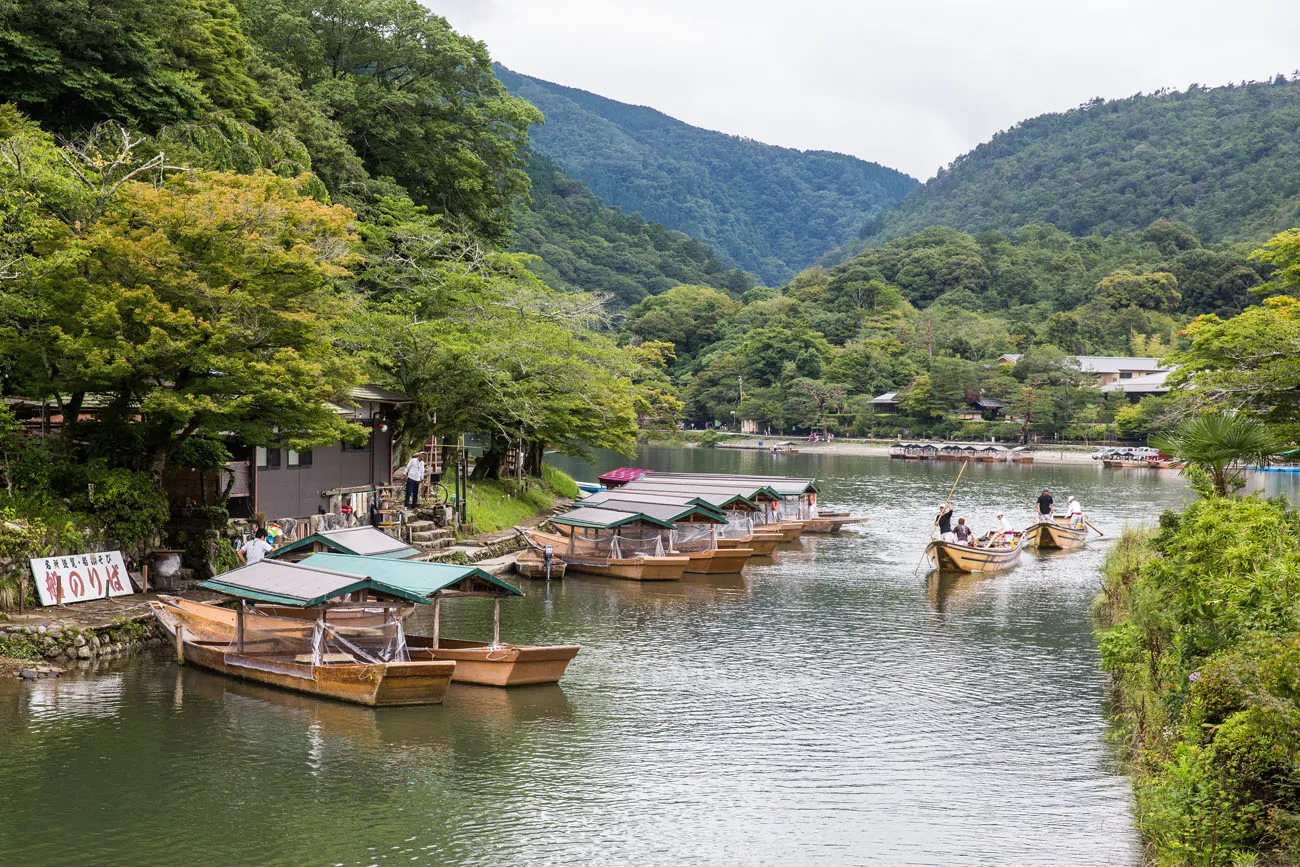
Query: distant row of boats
x=650, y=526
x=1136, y=457
x=976, y=452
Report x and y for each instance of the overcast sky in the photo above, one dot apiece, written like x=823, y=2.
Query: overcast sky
x=910, y=84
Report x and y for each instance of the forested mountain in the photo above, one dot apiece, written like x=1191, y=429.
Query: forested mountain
x=585, y=245
x=766, y=209
x=1223, y=160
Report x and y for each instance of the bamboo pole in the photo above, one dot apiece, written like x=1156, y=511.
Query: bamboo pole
x=437, y=619
x=496, y=622
x=1093, y=526
x=946, y=503
x=180, y=644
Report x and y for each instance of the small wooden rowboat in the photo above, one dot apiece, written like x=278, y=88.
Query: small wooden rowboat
x=1056, y=534
x=949, y=556
x=530, y=564
x=207, y=636
x=504, y=665
x=762, y=544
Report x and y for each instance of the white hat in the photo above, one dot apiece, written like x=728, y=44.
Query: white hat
x=999, y=514
x=1072, y=498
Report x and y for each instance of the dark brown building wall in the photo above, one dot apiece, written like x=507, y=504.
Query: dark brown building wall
x=295, y=492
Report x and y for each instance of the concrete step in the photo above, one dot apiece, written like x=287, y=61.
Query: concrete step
x=431, y=535
x=420, y=526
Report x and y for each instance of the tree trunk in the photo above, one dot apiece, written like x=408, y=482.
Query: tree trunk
x=536, y=454
x=489, y=466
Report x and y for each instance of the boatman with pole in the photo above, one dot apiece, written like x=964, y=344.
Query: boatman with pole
x=1045, y=502
x=945, y=522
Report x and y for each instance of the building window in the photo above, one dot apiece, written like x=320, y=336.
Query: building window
x=299, y=459
x=268, y=459
x=1126, y=375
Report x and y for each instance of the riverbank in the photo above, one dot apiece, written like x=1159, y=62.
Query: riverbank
x=864, y=448
x=44, y=642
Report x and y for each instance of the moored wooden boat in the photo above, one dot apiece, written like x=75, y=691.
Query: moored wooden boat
x=762, y=544
x=950, y=556
x=276, y=662
x=831, y=522
x=590, y=562
x=790, y=530
x=1056, y=534
x=531, y=564
x=478, y=662
x=717, y=561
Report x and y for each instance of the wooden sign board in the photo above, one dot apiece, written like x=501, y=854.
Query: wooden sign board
x=79, y=577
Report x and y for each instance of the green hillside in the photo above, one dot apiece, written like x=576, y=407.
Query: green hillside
x=1223, y=160
x=766, y=209
x=585, y=245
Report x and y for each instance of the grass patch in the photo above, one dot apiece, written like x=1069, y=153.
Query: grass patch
x=500, y=504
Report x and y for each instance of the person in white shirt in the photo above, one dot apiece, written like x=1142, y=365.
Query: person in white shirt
x=256, y=548
x=1076, y=512
x=414, y=475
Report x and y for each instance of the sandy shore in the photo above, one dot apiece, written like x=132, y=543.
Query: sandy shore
x=1068, y=455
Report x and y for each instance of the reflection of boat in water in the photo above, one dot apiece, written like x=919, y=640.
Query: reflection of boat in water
x=1055, y=534
x=944, y=588
x=950, y=556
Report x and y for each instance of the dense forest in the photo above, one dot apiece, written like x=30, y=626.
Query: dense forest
x=1222, y=160
x=582, y=244
x=766, y=209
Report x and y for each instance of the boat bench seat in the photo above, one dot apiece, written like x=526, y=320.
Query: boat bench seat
x=326, y=658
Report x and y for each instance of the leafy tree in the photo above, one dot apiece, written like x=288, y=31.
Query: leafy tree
x=688, y=317
x=814, y=399
x=1155, y=291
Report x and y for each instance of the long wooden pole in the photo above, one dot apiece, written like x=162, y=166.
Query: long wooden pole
x=1094, y=526
x=941, y=511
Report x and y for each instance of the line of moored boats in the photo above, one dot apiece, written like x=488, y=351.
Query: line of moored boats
x=326, y=614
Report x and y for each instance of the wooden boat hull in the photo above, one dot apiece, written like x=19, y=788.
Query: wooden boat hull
x=479, y=663
x=831, y=523
x=1057, y=535
x=375, y=685
x=790, y=530
x=1125, y=465
x=762, y=544
x=529, y=564
x=718, y=561
x=949, y=556
x=627, y=568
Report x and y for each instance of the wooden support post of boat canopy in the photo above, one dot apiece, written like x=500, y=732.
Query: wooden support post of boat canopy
x=180, y=644
x=239, y=625
x=496, y=622
x=437, y=619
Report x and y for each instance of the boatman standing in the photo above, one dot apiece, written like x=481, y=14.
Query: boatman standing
x=1045, y=506
x=1076, y=512
x=945, y=522
x=414, y=475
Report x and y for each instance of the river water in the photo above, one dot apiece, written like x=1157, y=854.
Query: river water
x=828, y=707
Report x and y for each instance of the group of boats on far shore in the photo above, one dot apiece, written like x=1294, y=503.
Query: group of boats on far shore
x=326, y=615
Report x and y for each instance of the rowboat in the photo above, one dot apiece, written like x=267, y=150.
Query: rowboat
x=762, y=544
x=363, y=665
x=582, y=556
x=531, y=564
x=1057, y=533
x=950, y=556
x=483, y=663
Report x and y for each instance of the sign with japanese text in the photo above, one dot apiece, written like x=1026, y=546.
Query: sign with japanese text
x=79, y=577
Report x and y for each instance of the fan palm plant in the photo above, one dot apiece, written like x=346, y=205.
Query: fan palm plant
x=1218, y=443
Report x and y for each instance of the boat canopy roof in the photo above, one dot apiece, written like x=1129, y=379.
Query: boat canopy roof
x=607, y=519
x=719, y=502
x=622, y=474
x=418, y=577
x=749, y=490
x=786, y=485
x=671, y=512
x=299, y=586
x=354, y=540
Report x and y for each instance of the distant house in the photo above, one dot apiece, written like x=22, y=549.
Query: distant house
x=886, y=404
x=981, y=408
x=1138, y=387
x=1107, y=368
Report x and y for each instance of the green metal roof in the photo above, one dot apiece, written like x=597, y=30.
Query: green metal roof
x=297, y=585
x=606, y=519
x=713, y=502
x=417, y=577
x=673, y=512
x=353, y=540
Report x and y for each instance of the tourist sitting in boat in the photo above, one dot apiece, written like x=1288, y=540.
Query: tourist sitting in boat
x=1075, y=510
x=1045, y=503
x=962, y=533
x=945, y=523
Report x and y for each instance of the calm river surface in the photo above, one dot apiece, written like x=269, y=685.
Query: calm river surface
x=826, y=708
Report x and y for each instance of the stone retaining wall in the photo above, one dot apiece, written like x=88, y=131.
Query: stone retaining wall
x=59, y=643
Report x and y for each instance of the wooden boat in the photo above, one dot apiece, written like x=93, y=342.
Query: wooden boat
x=478, y=662
x=762, y=544
x=950, y=556
x=1056, y=534
x=276, y=662
x=717, y=561
x=790, y=530
x=590, y=561
x=530, y=564
x=831, y=522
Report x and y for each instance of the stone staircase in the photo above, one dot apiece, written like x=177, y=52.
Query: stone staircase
x=430, y=538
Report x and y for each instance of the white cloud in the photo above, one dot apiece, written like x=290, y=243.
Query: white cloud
x=911, y=83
